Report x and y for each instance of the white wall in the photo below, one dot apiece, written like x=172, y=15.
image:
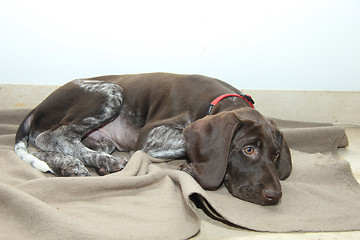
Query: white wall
x=292, y=45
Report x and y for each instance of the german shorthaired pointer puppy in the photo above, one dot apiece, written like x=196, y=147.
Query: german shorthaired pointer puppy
x=167, y=116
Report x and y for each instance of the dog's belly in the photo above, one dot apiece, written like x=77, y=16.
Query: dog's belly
x=121, y=133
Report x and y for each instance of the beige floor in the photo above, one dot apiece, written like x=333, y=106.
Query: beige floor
x=18, y=96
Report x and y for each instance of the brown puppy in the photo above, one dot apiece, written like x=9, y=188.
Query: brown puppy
x=162, y=114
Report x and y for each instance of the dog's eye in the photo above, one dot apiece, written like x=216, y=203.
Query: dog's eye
x=277, y=156
x=249, y=150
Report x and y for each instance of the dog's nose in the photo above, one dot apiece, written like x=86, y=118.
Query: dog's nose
x=271, y=196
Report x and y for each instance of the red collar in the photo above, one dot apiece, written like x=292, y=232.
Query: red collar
x=246, y=97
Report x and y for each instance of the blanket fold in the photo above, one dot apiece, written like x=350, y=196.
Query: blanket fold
x=150, y=199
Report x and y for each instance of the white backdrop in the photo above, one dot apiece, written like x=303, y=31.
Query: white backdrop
x=291, y=45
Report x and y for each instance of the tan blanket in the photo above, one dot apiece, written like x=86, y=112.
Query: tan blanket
x=151, y=200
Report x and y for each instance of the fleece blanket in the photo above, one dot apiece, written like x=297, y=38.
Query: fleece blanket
x=150, y=199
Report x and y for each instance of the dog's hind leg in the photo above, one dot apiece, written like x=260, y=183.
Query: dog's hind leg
x=66, y=142
x=62, y=165
x=103, y=145
x=79, y=120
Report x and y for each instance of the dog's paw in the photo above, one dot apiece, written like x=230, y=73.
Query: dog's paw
x=186, y=168
x=74, y=169
x=63, y=165
x=110, y=164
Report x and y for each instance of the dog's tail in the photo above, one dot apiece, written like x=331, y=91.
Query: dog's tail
x=22, y=143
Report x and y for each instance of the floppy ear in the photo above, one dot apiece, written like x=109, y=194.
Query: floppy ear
x=284, y=165
x=207, y=143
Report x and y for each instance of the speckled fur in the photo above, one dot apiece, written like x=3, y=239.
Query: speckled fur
x=62, y=148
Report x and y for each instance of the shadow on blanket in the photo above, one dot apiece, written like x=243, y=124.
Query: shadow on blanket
x=150, y=199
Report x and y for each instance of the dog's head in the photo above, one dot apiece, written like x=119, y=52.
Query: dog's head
x=244, y=150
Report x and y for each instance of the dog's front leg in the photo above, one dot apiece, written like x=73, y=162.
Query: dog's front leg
x=164, y=139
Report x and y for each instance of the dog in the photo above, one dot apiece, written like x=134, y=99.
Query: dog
x=202, y=119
